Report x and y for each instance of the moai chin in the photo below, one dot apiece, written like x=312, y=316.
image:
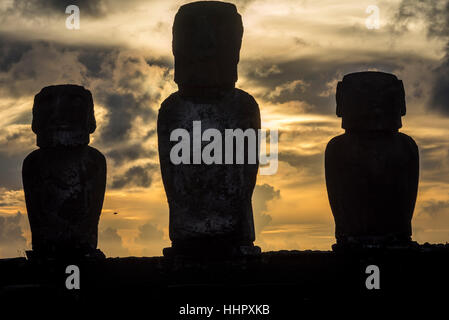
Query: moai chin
x=372, y=169
x=65, y=179
x=210, y=204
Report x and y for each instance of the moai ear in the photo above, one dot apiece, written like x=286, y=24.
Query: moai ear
x=339, y=99
x=401, y=98
x=91, y=123
x=42, y=98
x=34, y=122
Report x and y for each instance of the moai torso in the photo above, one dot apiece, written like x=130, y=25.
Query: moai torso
x=64, y=180
x=372, y=169
x=210, y=204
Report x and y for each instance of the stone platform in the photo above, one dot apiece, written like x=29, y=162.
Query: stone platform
x=287, y=281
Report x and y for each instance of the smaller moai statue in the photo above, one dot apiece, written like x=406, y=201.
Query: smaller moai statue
x=372, y=169
x=65, y=179
x=210, y=203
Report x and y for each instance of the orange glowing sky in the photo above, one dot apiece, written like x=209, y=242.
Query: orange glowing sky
x=293, y=54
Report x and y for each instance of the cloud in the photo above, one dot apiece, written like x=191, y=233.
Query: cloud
x=262, y=195
x=440, y=96
x=311, y=163
x=16, y=141
x=136, y=176
x=309, y=79
x=129, y=153
x=28, y=8
x=111, y=243
x=36, y=65
x=149, y=233
x=127, y=87
x=12, y=239
x=435, y=15
x=11, y=54
x=10, y=230
x=131, y=90
x=11, y=198
x=434, y=207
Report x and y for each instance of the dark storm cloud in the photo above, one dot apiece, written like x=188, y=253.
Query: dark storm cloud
x=306, y=130
x=94, y=8
x=434, y=207
x=308, y=79
x=11, y=170
x=149, y=233
x=440, y=97
x=166, y=62
x=128, y=97
x=125, y=83
x=312, y=164
x=136, y=176
x=129, y=153
x=262, y=195
x=14, y=146
x=434, y=159
x=435, y=14
x=99, y=62
x=123, y=109
x=31, y=65
x=10, y=54
x=11, y=231
x=111, y=243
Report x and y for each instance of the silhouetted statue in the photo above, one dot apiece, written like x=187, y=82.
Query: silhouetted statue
x=210, y=204
x=64, y=180
x=372, y=169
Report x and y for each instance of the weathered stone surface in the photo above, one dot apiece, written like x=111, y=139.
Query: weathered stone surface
x=63, y=115
x=372, y=169
x=64, y=181
x=207, y=36
x=319, y=279
x=210, y=204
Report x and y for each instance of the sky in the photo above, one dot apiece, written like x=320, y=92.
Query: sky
x=293, y=54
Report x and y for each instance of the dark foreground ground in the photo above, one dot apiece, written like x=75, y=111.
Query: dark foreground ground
x=289, y=282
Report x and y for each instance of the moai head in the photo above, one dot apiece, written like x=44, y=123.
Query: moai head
x=370, y=101
x=63, y=115
x=207, y=36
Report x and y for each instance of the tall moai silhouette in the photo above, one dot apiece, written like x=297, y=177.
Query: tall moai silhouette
x=65, y=179
x=210, y=203
x=372, y=169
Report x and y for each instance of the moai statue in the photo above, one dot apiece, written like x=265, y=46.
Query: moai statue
x=372, y=169
x=65, y=179
x=210, y=202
